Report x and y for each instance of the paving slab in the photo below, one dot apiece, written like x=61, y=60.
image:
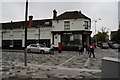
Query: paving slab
x=67, y=64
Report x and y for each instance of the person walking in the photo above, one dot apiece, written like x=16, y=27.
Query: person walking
x=85, y=48
x=80, y=49
x=91, y=52
x=88, y=49
x=44, y=44
x=52, y=48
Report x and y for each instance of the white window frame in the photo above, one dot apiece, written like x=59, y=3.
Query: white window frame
x=86, y=24
x=66, y=25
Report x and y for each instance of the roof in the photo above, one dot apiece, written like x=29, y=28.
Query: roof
x=20, y=24
x=45, y=22
x=72, y=15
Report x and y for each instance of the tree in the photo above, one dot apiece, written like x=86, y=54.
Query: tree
x=101, y=36
x=114, y=37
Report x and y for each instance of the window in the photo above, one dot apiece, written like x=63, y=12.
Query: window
x=66, y=25
x=71, y=39
x=85, y=24
x=33, y=45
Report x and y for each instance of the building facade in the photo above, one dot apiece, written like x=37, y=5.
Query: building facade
x=69, y=29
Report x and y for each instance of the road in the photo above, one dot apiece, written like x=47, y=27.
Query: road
x=67, y=64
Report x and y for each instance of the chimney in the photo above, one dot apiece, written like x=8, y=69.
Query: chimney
x=30, y=20
x=54, y=14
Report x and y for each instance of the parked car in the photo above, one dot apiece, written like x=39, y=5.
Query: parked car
x=110, y=43
x=99, y=44
x=115, y=46
x=40, y=48
x=104, y=45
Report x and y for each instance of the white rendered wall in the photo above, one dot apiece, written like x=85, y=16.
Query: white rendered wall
x=57, y=39
x=75, y=24
x=32, y=33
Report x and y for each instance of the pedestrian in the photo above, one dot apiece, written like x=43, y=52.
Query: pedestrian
x=44, y=44
x=52, y=48
x=88, y=49
x=85, y=48
x=91, y=52
x=80, y=49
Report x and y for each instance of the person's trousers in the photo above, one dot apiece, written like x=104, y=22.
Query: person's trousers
x=91, y=53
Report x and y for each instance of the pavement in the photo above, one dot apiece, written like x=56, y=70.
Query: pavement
x=65, y=65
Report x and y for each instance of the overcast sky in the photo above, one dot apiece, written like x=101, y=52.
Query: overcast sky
x=106, y=11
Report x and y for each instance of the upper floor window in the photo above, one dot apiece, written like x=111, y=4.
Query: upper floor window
x=66, y=25
x=85, y=24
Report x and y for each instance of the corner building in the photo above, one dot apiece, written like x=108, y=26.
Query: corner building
x=70, y=29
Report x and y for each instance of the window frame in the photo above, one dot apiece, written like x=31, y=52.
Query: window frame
x=66, y=25
x=86, y=24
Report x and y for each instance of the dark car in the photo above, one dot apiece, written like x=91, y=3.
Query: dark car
x=104, y=45
x=99, y=44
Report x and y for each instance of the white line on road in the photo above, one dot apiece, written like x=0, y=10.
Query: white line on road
x=86, y=63
x=63, y=68
x=66, y=61
x=35, y=66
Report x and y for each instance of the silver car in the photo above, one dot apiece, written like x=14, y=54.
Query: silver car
x=115, y=46
x=40, y=48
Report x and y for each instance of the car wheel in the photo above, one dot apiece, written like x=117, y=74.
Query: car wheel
x=42, y=52
x=28, y=51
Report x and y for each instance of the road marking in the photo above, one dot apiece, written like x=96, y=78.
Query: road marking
x=66, y=61
x=86, y=63
x=58, y=67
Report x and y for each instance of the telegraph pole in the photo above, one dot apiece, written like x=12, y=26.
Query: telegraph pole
x=26, y=13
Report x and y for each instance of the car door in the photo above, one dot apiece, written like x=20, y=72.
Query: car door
x=33, y=48
x=36, y=48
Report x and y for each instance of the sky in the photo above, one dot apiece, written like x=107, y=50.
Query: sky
x=106, y=10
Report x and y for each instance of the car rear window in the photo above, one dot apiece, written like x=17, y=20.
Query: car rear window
x=104, y=43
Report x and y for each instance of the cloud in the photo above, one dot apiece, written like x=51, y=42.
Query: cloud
x=12, y=11
x=107, y=11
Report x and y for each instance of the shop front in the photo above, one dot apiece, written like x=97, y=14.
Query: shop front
x=71, y=40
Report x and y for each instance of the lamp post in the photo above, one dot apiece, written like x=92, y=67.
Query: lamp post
x=26, y=13
x=39, y=35
x=38, y=26
x=95, y=30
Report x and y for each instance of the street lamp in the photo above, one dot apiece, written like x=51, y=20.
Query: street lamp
x=26, y=13
x=95, y=30
x=38, y=26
